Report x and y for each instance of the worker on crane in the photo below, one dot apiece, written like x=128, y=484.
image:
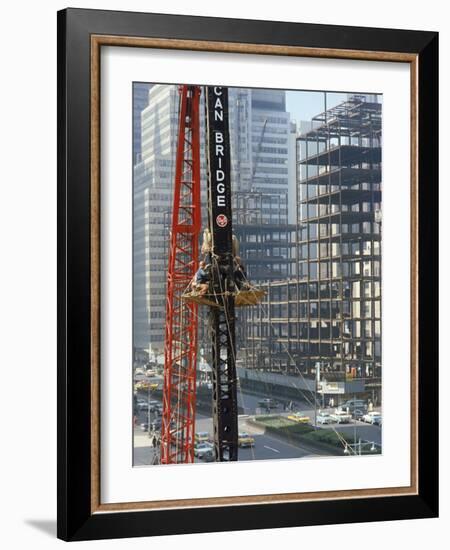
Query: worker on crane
x=200, y=284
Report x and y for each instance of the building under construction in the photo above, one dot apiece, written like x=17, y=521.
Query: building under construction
x=326, y=313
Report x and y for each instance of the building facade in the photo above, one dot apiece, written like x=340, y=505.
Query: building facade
x=329, y=317
x=259, y=141
x=140, y=102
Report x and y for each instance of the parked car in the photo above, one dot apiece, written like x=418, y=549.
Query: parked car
x=358, y=414
x=324, y=418
x=209, y=456
x=341, y=417
x=372, y=417
x=144, y=426
x=245, y=440
x=352, y=404
x=299, y=417
x=201, y=448
x=142, y=406
x=201, y=437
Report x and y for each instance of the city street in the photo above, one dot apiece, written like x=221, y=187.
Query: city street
x=267, y=446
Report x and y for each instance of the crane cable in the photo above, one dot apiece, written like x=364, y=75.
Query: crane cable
x=205, y=320
x=343, y=440
x=229, y=334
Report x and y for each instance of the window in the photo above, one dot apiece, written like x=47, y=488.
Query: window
x=325, y=309
x=336, y=269
x=367, y=289
x=367, y=269
x=323, y=250
x=312, y=291
x=367, y=248
x=367, y=309
x=377, y=307
x=366, y=227
x=324, y=290
x=324, y=270
x=376, y=289
x=377, y=329
x=313, y=270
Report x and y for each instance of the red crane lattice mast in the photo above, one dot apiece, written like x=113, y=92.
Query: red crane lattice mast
x=180, y=352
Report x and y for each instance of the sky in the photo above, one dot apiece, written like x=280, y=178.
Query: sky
x=305, y=105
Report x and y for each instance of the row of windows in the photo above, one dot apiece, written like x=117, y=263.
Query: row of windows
x=314, y=210
x=325, y=331
x=276, y=150
x=361, y=351
x=351, y=248
x=313, y=230
x=357, y=309
x=271, y=170
x=270, y=119
x=270, y=180
x=332, y=269
x=323, y=290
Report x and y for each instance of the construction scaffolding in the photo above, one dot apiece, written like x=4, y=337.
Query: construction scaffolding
x=330, y=313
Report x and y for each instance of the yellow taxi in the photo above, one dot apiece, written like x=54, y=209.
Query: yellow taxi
x=201, y=437
x=245, y=440
x=299, y=417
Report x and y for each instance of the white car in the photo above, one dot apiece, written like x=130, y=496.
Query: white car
x=372, y=417
x=324, y=418
x=341, y=417
x=202, y=448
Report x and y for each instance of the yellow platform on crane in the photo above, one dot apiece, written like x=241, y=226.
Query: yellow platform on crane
x=247, y=297
x=202, y=299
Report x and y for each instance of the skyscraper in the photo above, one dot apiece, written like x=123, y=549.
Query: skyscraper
x=259, y=134
x=330, y=315
x=140, y=102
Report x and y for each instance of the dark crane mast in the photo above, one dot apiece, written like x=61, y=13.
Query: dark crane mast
x=221, y=316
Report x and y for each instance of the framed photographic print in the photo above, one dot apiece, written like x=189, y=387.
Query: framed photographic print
x=247, y=274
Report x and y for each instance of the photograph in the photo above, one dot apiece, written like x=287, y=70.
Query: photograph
x=221, y=272
x=257, y=274
x=246, y=274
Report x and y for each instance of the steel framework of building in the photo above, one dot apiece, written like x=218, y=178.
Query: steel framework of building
x=180, y=352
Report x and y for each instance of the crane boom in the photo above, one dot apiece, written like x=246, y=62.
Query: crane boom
x=180, y=348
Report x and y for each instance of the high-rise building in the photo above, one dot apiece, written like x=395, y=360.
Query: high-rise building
x=329, y=317
x=259, y=140
x=153, y=183
x=140, y=102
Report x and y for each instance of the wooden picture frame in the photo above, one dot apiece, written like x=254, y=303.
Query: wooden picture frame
x=81, y=35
